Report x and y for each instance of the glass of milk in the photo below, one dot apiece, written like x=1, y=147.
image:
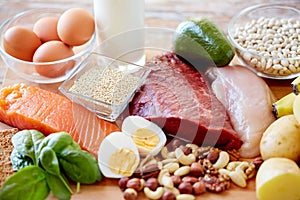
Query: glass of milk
x=119, y=27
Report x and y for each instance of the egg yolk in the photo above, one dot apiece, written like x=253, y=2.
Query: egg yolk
x=145, y=138
x=122, y=162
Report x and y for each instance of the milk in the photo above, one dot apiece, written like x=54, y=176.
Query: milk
x=119, y=26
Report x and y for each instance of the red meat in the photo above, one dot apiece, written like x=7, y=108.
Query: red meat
x=178, y=98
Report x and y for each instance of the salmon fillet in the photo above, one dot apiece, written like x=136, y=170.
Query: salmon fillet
x=30, y=107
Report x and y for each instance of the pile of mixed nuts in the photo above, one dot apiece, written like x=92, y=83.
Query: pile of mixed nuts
x=184, y=171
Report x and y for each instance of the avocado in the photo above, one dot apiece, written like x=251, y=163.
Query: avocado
x=200, y=40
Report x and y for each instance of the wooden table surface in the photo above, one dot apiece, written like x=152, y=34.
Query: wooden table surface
x=159, y=13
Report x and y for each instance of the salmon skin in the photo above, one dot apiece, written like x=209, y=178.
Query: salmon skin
x=30, y=107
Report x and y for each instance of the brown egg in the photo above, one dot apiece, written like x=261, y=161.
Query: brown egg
x=46, y=29
x=53, y=51
x=75, y=26
x=21, y=42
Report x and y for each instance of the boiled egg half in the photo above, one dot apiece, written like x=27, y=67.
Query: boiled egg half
x=118, y=155
x=148, y=137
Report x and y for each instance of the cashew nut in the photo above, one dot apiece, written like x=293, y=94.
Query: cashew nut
x=164, y=178
x=157, y=194
x=222, y=161
x=194, y=148
x=184, y=170
x=185, y=197
x=142, y=181
x=232, y=165
x=246, y=167
x=172, y=167
x=237, y=176
x=166, y=181
x=184, y=159
x=168, y=160
x=165, y=154
x=243, y=166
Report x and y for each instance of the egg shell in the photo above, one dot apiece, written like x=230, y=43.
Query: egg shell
x=46, y=29
x=110, y=144
x=53, y=51
x=75, y=26
x=21, y=42
x=132, y=123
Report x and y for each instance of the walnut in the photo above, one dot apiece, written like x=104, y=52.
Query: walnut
x=233, y=154
x=215, y=183
x=250, y=171
x=208, y=167
x=203, y=151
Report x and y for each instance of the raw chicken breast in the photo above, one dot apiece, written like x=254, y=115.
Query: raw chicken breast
x=248, y=100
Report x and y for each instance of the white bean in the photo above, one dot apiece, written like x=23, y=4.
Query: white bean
x=274, y=38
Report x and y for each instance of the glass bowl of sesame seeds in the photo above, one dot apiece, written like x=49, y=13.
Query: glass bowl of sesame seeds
x=266, y=38
x=104, y=85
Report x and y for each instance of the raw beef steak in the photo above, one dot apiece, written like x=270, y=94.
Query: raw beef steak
x=178, y=98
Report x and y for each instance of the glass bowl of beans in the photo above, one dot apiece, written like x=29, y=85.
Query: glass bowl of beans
x=104, y=85
x=266, y=38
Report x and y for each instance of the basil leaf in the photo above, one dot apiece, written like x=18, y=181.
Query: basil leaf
x=29, y=183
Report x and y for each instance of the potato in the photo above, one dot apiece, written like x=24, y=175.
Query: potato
x=277, y=179
x=281, y=139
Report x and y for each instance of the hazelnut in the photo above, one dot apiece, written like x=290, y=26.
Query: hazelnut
x=152, y=184
x=199, y=188
x=185, y=188
x=176, y=180
x=168, y=195
x=213, y=156
x=134, y=183
x=190, y=179
x=123, y=182
x=130, y=194
x=196, y=169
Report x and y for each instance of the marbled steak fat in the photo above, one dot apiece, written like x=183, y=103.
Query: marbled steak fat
x=178, y=98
